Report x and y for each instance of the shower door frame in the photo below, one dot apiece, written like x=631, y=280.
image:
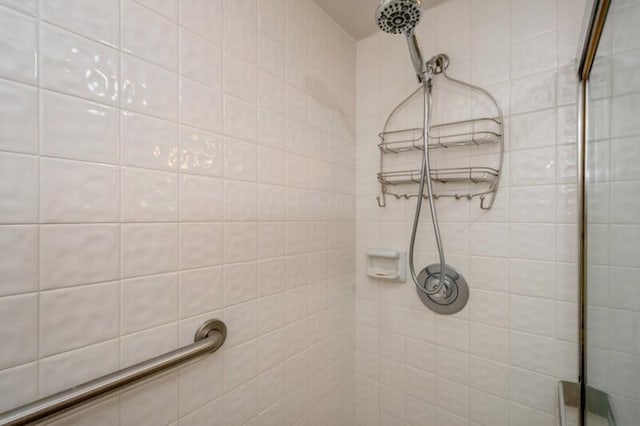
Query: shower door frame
x=593, y=24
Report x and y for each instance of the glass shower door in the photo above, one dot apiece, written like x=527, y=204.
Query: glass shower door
x=612, y=190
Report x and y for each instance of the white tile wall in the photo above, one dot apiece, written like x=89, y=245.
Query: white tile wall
x=497, y=361
x=612, y=274
x=151, y=180
x=212, y=145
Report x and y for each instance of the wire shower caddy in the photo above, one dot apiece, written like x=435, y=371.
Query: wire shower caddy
x=482, y=181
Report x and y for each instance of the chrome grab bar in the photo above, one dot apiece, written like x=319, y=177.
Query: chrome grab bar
x=208, y=338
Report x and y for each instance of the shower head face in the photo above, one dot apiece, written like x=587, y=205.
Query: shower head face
x=398, y=16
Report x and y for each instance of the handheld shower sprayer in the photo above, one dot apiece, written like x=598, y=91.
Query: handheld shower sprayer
x=440, y=287
x=401, y=17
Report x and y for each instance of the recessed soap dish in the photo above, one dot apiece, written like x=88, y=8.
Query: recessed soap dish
x=387, y=264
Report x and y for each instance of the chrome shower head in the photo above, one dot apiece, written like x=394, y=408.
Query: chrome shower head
x=398, y=16
x=401, y=17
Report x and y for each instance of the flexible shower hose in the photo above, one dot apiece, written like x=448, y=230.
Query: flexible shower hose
x=425, y=177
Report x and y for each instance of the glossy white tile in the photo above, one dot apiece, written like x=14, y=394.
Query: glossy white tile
x=151, y=403
x=271, y=276
x=488, y=409
x=201, y=152
x=18, y=117
x=18, y=42
x=26, y=6
x=20, y=198
x=533, y=130
x=76, y=66
x=296, y=103
x=533, y=204
x=200, y=198
x=149, y=249
x=240, y=159
x=271, y=166
x=272, y=386
x=271, y=18
x=533, y=54
x=295, y=37
x=19, y=333
x=271, y=312
x=533, y=92
x=532, y=389
x=200, y=106
x=149, y=196
x=240, y=28
x=490, y=308
x=489, y=342
x=271, y=239
x=271, y=55
x=529, y=19
x=532, y=315
x=624, y=32
x=245, y=396
x=200, y=59
x=271, y=129
x=149, y=301
x=94, y=19
x=200, y=291
x=148, y=142
x=535, y=353
x=203, y=17
x=240, y=77
x=624, y=154
x=19, y=385
x=200, y=245
x=240, y=201
x=623, y=239
x=176, y=152
x=167, y=8
x=244, y=319
x=159, y=41
x=99, y=413
x=533, y=167
x=240, y=119
x=271, y=202
x=72, y=191
x=89, y=255
x=82, y=315
x=271, y=92
x=532, y=241
x=149, y=89
x=198, y=384
x=241, y=364
x=240, y=242
x=77, y=129
x=146, y=344
x=489, y=239
x=19, y=265
x=297, y=238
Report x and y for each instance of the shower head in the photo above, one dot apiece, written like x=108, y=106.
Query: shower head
x=398, y=16
x=401, y=17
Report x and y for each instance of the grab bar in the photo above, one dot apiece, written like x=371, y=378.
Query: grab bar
x=208, y=338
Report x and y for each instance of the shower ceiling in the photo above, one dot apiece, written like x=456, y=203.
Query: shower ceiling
x=357, y=17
